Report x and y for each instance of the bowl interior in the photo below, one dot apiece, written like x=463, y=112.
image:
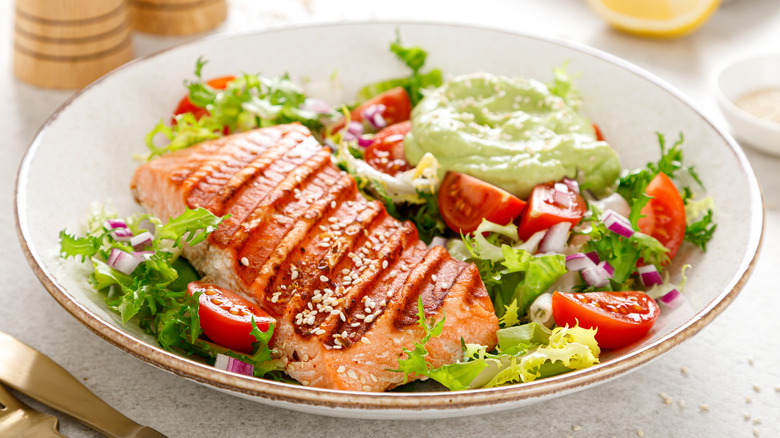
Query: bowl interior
x=84, y=154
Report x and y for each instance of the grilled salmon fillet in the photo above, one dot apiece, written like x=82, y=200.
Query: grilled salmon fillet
x=341, y=276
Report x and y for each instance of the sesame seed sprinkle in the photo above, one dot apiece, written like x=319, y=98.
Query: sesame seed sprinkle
x=434, y=278
x=685, y=370
x=384, y=264
x=366, y=388
x=355, y=324
x=704, y=407
x=324, y=279
x=352, y=374
x=756, y=387
x=365, y=340
x=340, y=369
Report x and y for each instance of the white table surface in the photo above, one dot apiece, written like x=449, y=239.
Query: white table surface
x=732, y=363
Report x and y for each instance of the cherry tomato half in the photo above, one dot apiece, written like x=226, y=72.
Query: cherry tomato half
x=386, y=153
x=226, y=318
x=546, y=208
x=620, y=317
x=186, y=106
x=464, y=201
x=664, y=214
x=398, y=108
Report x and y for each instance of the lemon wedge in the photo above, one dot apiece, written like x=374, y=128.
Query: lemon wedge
x=655, y=18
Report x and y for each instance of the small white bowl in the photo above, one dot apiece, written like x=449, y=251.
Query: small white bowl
x=737, y=77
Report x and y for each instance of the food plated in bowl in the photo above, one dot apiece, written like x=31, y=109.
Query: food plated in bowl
x=603, y=83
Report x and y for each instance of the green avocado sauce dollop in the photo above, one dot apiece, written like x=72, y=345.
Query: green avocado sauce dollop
x=511, y=132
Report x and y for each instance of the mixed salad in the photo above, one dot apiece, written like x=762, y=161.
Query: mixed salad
x=572, y=263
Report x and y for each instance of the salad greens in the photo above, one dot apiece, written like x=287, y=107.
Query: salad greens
x=524, y=353
x=154, y=293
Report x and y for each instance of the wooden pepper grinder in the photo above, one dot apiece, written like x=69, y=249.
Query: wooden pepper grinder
x=69, y=43
x=176, y=17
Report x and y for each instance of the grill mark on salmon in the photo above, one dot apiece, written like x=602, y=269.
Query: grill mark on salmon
x=216, y=196
x=328, y=281
x=324, y=248
x=368, y=257
x=278, y=180
x=272, y=236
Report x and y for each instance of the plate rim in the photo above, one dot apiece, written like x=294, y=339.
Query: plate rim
x=507, y=396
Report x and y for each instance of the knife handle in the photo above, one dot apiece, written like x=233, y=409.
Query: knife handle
x=31, y=372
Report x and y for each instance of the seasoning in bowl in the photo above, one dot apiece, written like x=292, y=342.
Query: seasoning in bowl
x=763, y=103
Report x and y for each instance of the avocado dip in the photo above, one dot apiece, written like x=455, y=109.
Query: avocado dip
x=511, y=132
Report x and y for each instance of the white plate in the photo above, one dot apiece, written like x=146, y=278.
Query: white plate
x=83, y=154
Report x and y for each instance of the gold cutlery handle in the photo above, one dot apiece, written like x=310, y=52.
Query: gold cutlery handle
x=32, y=373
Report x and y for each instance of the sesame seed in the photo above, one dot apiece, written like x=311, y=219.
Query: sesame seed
x=392, y=274
x=305, y=357
x=341, y=316
x=369, y=244
x=366, y=388
x=576, y=428
x=681, y=403
x=355, y=324
x=319, y=332
x=360, y=316
x=332, y=219
x=352, y=374
x=667, y=400
x=345, y=271
x=337, y=347
x=323, y=228
x=756, y=432
x=434, y=278
x=340, y=369
x=747, y=416
x=640, y=432
x=293, y=275
x=777, y=388
x=704, y=407
x=365, y=340
x=756, y=387
x=324, y=279
x=684, y=370
x=384, y=264
x=757, y=420
x=369, y=318
x=750, y=361
x=332, y=204
x=390, y=294
x=364, y=250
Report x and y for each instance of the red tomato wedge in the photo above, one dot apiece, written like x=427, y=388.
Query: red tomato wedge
x=226, y=318
x=597, y=132
x=398, y=108
x=386, y=153
x=620, y=317
x=464, y=201
x=186, y=106
x=546, y=208
x=664, y=214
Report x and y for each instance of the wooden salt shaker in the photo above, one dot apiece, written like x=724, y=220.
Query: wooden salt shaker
x=69, y=43
x=176, y=17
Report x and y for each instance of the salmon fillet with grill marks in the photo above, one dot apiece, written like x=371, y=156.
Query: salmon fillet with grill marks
x=340, y=275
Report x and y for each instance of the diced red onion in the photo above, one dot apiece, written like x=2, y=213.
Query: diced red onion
x=228, y=363
x=143, y=255
x=123, y=262
x=578, y=262
x=607, y=267
x=111, y=224
x=649, y=275
x=365, y=142
x=353, y=131
x=593, y=256
x=556, y=238
x=573, y=185
x=373, y=115
x=561, y=195
x=617, y=223
x=122, y=234
x=317, y=105
x=595, y=276
x=142, y=240
x=672, y=299
x=438, y=241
